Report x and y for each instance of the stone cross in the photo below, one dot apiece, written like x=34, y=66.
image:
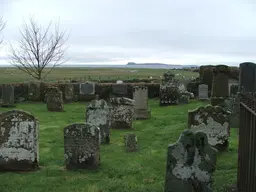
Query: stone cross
x=7, y=95
x=19, y=148
x=81, y=146
x=140, y=97
x=191, y=162
x=98, y=114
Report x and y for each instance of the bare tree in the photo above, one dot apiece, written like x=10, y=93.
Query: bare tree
x=38, y=49
x=2, y=25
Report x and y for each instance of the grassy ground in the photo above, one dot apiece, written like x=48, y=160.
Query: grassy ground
x=142, y=171
x=12, y=75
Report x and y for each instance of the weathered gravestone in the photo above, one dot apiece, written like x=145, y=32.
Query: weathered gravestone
x=169, y=94
x=131, y=142
x=140, y=97
x=203, y=92
x=233, y=104
x=34, y=91
x=191, y=163
x=69, y=92
x=184, y=99
x=7, y=96
x=119, y=89
x=214, y=121
x=98, y=114
x=122, y=112
x=54, y=99
x=87, y=88
x=19, y=148
x=81, y=146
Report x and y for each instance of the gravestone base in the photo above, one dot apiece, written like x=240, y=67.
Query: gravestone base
x=121, y=125
x=90, y=164
x=22, y=165
x=56, y=109
x=140, y=114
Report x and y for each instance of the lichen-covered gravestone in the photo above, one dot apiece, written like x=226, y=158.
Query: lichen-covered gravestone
x=214, y=121
x=7, y=96
x=69, y=92
x=169, y=94
x=122, y=112
x=82, y=146
x=140, y=97
x=34, y=91
x=19, y=148
x=131, y=142
x=98, y=113
x=54, y=99
x=191, y=162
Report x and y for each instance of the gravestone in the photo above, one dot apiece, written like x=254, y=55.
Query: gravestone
x=184, y=99
x=19, y=147
x=98, y=114
x=169, y=94
x=7, y=96
x=131, y=142
x=69, y=92
x=87, y=88
x=81, y=146
x=247, y=77
x=122, y=112
x=54, y=99
x=119, y=89
x=140, y=97
x=233, y=104
x=191, y=162
x=34, y=91
x=203, y=92
x=214, y=121
x=233, y=90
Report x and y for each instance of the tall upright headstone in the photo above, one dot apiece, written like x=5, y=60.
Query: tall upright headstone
x=19, y=148
x=203, y=92
x=81, y=146
x=140, y=97
x=34, y=91
x=98, y=113
x=247, y=77
x=69, y=92
x=7, y=95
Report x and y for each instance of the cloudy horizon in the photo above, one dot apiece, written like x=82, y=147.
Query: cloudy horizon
x=116, y=32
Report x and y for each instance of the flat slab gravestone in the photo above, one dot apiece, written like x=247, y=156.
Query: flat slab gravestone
x=98, y=113
x=203, y=92
x=131, y=142
x=81, y=146
x=69, y=92
x=7, y=96
x=19, y=147
x=122, y=112
x=140, y=97
x=87, y=88
x=214, y=121
x=54, y=100
x=34, y=91
x=191, y=162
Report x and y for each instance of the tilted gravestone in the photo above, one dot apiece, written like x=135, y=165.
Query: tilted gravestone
x=122, y=112
x=131, y=142
x=69, y=92
x=191, y=162
x=119, y=89
x=214, y=121
x=87, y=88
x=81, y=146
x=203, y=92
x=34, y=91
x=7, y=96
x=98, y=113
x=140, y=97
x=54, y=99
x=19, y=147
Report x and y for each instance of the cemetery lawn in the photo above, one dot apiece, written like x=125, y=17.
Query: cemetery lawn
x=142, y=171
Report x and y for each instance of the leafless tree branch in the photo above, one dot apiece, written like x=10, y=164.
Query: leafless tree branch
x=2, y=25
x=38, y=49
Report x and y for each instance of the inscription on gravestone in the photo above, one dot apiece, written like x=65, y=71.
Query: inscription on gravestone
x=87, y=88
x=203, y=91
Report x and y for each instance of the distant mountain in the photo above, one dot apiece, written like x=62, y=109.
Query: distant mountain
x=130, y=64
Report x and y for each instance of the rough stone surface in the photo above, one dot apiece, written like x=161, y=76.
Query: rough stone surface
x=140, y=97
x=214, y=121
x=169, y=94
x=191, y=162
x=203, y=92
x=232, y=104
x=82, y=146
x=7, y=96
x=34, y=91
x=98, y=113
x=69, y=92
x=19, y=147
x=131, y=142
x=54, y=99
x=122, y=112
x=87, y=88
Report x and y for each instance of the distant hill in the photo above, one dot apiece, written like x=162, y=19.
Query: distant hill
x=130, y=64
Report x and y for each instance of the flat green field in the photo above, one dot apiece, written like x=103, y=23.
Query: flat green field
x=13, y=75
x=142, y=171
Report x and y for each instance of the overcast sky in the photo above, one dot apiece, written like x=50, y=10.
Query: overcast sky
x=121, y=31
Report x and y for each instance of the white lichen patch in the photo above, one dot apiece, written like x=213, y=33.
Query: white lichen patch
x=217, y=133
x=97, y=116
